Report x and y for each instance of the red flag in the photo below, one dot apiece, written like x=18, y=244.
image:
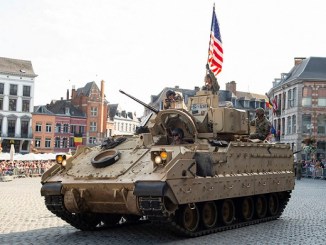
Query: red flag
x=274, y=105
x=215, y=52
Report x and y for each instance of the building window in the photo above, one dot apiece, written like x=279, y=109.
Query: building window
x=290, y=100
x=93, y=111
x=37, y=142
x=0, y=126
x=306, y=96
x=122, y=125
x=65, y=128
x=58, y=128
x=24, y=129
x=1, y=103
x=57, y=142
x=2, y=88
x=322, y=97
x=306, y=124
x=48, y=127
x=27, y=91
x=13, y=89
x=92, y=140
x=321, y=124
x=81, y=129
x=25, y=106
x=71, y=142
x=294, y=124
x=294, y=97
x=92, y=127
x=12, y=104
x=64, y=142
x=11, y=127
x=47, y=142
x=289, y=124
x=246, y=103
x=38, y=127
x=73, y=129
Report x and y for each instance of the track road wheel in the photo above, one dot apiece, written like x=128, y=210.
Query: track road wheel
x=188, y=217
x=273, y=204
x=247, y=208
x=261, y=206
x=209, y=214
x=227, y=212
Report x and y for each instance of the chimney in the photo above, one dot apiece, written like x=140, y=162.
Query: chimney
x=298, y=60
x=102, y=89
x=67, y=94
x=232, y=87
x=73, y=92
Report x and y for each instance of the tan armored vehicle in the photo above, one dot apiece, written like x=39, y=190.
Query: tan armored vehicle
x=212, y=182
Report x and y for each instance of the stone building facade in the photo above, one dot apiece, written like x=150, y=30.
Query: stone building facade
x=17, y=79
x=299, y=98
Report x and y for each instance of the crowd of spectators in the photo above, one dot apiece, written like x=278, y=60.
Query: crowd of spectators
x=24, y=168
x=313, y=169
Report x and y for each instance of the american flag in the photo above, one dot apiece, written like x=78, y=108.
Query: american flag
x=215, y=52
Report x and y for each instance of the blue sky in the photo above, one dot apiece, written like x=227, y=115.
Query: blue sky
x=143, y=46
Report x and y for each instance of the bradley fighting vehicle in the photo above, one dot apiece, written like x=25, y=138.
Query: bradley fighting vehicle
x=217, y=180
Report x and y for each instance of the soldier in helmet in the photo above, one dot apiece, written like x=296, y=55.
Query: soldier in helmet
x=173, y=97
x=263, y=126
x=178, y=135
x=211, y=83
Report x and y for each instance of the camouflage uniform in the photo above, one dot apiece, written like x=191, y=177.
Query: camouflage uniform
x=215, y=86
x=263, y=126
x=176, y=101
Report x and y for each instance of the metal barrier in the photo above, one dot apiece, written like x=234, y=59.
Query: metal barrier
x=315, y=173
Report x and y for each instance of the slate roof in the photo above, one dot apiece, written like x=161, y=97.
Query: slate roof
x=112, y=110
x=310, y=69
x=58, y=107
x=41, y=109
x=86, y=90
x=16, y=67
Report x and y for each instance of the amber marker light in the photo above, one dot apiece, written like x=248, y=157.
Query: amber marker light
x=164, y=155
x=59, y=159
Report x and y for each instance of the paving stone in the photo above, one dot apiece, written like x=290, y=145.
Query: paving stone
x=24, y=219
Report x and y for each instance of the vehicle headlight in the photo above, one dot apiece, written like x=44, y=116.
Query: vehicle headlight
x=61, y=159
x=160, y=157
x=158, y=160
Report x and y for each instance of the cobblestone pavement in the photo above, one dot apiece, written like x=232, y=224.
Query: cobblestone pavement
x=24, y=219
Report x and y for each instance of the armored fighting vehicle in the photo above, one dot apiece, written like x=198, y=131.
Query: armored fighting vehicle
x=216, y=180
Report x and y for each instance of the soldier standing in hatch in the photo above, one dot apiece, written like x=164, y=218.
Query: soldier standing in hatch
x=263, y=126
x=211, y=83
x=172, y=98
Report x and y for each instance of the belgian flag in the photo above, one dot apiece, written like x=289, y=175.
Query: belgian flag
x=78, y=139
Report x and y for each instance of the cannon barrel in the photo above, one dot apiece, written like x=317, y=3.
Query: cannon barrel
x=140, y=102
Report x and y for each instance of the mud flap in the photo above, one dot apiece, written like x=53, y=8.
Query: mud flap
x=51, y=189
x=150, y=188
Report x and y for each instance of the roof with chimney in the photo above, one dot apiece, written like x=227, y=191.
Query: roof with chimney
x=87, y=89
x=16, y=67
x=309, y=69
x=64, y=107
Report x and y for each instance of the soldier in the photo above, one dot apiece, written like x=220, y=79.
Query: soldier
x=178, y=135
x=173, y=98
x=263, y=126
x=211, y=83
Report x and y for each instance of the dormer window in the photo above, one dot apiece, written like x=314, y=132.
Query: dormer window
x=67, y=110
